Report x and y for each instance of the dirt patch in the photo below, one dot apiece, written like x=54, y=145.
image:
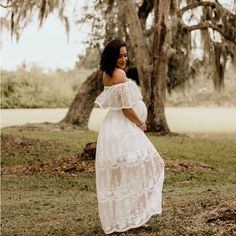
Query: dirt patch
x=70, y=165
x=223, y=218
x=74, y=165
x=224, y=213
x=17, y=150
x=186, y=166
x=9, y=142
x=25, y=154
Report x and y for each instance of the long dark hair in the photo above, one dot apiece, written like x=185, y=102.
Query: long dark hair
x=110, y=56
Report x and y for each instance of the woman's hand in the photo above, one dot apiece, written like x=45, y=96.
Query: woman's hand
x=143, y=126
x=132, y=116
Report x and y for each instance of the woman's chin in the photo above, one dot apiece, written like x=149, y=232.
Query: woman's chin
x=121, y=67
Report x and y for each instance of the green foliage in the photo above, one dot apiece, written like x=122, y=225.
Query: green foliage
x=34, y=88
x=90, y=59
x=201, y=92
x=179, y=69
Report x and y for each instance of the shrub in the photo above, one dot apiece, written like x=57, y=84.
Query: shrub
x=34, y=88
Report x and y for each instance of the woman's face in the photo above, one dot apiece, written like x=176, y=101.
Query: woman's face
x=123, y=58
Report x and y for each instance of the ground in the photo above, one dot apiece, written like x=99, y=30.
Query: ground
x=48, y=189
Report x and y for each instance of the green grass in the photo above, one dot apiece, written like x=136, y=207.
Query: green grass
x=66, y=204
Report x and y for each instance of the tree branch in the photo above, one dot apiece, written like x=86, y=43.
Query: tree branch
x=6, y=6
x=205, y=25
x=9, y=4
x=144, y=10
x=204, y=4
x=109, y=6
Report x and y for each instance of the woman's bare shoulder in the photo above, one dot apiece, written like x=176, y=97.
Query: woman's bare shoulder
x=119, y=76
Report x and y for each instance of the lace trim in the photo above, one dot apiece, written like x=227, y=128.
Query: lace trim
x=119, y=194
x=131, y=226
x=146, y=174
x=127, y=159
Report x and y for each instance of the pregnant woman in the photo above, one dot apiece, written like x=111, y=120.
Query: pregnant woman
x=129, y=170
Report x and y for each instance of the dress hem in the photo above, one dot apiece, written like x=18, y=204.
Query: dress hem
x=134, y=226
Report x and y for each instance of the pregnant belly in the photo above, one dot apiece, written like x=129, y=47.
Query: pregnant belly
x=141, y=110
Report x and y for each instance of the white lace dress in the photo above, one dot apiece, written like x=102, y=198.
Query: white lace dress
x=129, y=170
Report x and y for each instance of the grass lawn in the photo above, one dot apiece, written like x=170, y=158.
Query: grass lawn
x=48, y=190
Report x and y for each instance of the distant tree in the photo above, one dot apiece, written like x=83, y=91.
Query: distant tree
x=90, y=59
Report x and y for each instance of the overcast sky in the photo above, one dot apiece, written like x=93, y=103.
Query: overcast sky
x=47, y=46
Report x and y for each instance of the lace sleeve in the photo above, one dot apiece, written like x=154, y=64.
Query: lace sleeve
x=120, y=96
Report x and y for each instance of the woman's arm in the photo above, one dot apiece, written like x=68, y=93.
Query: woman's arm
x=132, y=116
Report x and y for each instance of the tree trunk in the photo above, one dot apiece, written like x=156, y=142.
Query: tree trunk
x=152, y=82
x=156, y=115
x=83, y=103
x=219, y=67
x=137, y=42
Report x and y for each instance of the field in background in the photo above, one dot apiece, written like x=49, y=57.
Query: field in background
x=47, y=189
x=179, y=119
x=186, y=119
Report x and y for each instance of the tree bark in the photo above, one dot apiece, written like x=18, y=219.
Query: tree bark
x=144, y=11
x=156, y=114
x=82, y=105
x=137, y=42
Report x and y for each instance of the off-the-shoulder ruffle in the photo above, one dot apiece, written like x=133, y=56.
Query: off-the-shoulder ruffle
x=119, y=96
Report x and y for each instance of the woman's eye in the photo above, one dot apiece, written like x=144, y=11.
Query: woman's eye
x=125, y=55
